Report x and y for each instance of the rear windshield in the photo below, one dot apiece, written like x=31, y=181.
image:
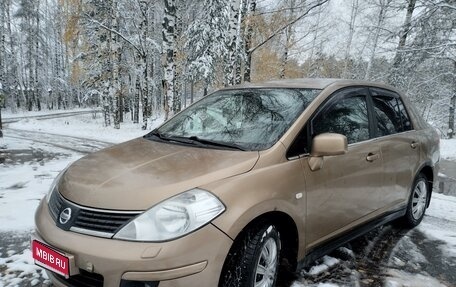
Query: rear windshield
x=253, y=119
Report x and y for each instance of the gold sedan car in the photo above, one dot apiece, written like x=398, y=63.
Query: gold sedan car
x=245, y=184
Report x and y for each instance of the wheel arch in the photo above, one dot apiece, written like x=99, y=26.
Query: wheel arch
x=428, y=171
x=288, y=232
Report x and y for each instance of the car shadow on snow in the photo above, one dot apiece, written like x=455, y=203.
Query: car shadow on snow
x=387, y=256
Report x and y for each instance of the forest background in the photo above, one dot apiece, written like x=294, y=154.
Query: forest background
x=148, y=59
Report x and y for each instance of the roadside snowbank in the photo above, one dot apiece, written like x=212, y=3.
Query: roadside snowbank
x=86, y=126
x=448, y=149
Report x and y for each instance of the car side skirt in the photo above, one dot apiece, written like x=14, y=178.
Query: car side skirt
x=348, y=236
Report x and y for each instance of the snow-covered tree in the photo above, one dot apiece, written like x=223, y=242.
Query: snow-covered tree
x=207, y=38
x=169, y=66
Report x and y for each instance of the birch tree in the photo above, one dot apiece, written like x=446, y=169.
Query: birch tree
x=354, y=12
x=169, y=66
x=383, y=8
x=233, y=41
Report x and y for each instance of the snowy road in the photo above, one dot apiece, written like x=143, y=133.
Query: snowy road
x=387, y=256
x=76, y=144
x=13, y=119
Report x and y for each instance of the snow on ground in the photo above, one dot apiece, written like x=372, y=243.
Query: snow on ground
x=398, y=278
x=444, y=208
x=448, y=149
x=25, y=178
x=20, y=266
x=327, y=263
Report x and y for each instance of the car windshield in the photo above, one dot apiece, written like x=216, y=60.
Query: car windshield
x=245, y=119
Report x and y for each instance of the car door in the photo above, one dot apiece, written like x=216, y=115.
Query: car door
x=346, y=189
x=399, y=146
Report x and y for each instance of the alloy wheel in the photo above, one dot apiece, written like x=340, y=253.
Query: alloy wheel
x=419, y=199
x=267, y=264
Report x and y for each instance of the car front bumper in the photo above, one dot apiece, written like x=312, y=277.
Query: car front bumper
x=188, y=261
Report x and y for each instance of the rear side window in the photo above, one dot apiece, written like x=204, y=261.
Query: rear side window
x=390, y=113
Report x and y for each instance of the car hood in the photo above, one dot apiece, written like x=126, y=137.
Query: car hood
x=137, y=174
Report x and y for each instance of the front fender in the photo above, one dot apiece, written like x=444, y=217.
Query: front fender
x=247, y=196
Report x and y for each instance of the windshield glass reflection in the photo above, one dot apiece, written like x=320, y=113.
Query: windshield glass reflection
x=253, y=119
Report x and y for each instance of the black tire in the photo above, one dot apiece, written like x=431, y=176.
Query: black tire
x=241, y=266
x=419, y=197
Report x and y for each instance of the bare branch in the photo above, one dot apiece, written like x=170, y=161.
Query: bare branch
x=115, y=32
x=278, y=31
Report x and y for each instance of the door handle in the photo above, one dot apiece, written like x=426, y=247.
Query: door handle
x=414, y=145
x=372, y=156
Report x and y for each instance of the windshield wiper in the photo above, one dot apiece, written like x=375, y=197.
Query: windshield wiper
x=214, y=143
x=170, y=138
x=194, y=140
x=156, y=134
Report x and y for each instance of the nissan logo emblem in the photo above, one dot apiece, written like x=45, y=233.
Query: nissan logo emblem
x=65, y=215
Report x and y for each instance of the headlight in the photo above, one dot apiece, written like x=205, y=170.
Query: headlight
x=174, y=217
x=54, y=184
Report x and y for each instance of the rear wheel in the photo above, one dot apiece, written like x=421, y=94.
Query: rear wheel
x=253, y=260
x=418, y=201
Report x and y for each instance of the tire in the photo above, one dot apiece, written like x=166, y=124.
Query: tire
x=418, y=200
x=253, y=260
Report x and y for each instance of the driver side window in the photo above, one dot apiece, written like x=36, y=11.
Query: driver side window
x=346, y=115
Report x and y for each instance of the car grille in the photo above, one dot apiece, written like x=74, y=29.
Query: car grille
x=55, y=204
x=102, y=223
x=84, y=279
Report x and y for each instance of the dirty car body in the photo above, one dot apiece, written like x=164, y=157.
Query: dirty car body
x=242, y=184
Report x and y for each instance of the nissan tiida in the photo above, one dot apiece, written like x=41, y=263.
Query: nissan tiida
x=243, y=185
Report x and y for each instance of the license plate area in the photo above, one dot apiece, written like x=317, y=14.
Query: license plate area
x=51, y=259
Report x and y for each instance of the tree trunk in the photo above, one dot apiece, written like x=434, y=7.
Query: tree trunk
x=169, y=67
x=136, y=101
x=115, y=60
x=351, y=33
x=36, y=85
x=288, y=42
x=3, y=85
x=233, y=42
x=451, y=131
x=145, y=90
x=192, y=84
x=240, y=54
x=378, y=28
x=395, y=75
x=373, y=52
x=108, y=63
x=248, y=42
x=1, y=124
x=177, y=101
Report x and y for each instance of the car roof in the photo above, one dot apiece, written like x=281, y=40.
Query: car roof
x=310, y=83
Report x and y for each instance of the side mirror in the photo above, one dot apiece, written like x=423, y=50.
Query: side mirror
x=327, y=144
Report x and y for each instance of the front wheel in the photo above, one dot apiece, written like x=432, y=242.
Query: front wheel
x=253, y=260
x=418, y=201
